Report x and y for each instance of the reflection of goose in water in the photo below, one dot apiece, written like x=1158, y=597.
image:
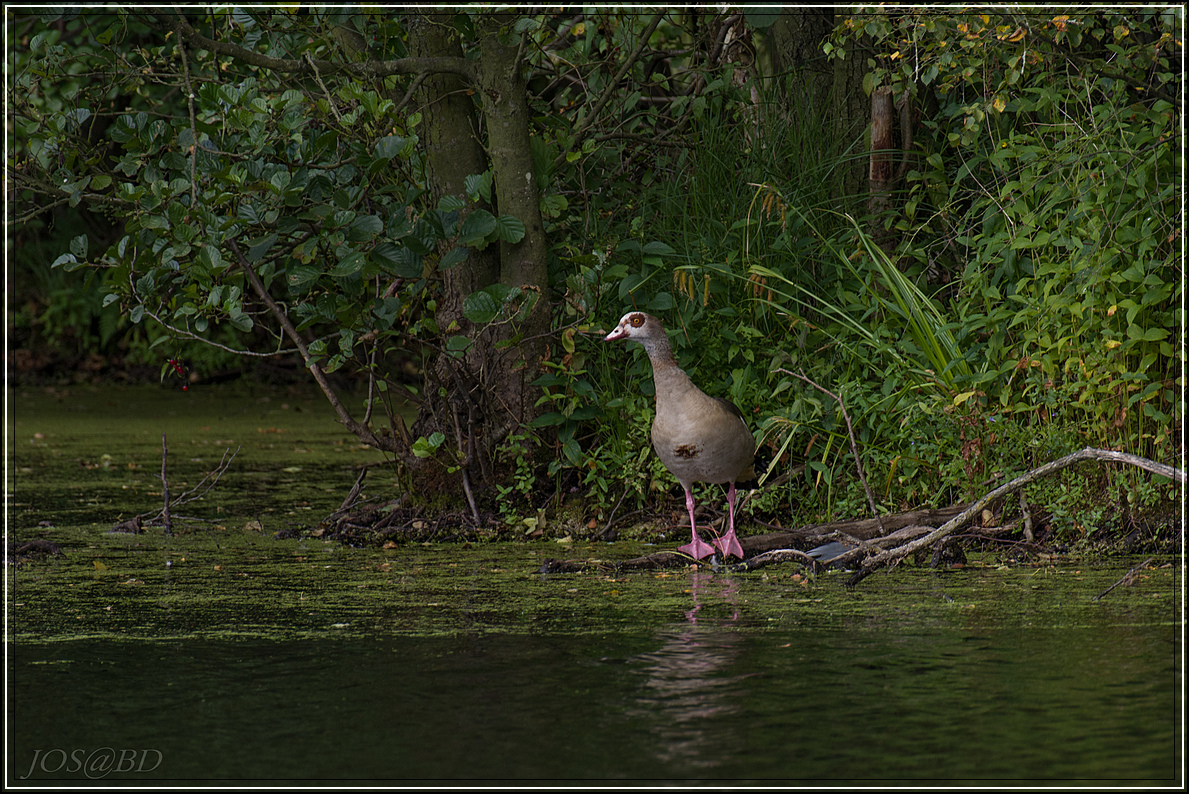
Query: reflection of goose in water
x=724, y=588
x=687, y=691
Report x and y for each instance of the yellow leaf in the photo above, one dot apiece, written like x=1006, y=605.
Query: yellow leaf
x=963, y=397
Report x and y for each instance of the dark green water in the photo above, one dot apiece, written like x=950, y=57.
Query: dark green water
x=221, y=655
x=702, y=702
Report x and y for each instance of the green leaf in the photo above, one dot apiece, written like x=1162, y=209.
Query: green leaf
x=260, y=248
x=425, y=447
x=550, y=419
x=67, y=262
x=390, y=147
x=363, y=228
x=485, y=305
x=350, y=265
x=280, y=181
x=480, y=307
x=387, y=310
x=453, y=257
x=478, y=186
x=458, y=344
x=509, y=229
x=210, y=258
x=397, y=260
x=554, y=205
x=302, y=276
x=78, y=246
x=662, y=301
x=477, y=227
x=241, y=321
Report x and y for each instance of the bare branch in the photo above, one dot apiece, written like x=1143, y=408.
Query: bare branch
x=894, y=555
x=1127, y=579
x=165, y=488
x=361, y=431
x=188, y=334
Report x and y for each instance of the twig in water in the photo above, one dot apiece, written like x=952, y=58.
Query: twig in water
x=772, y=557
x=165, y=488
x=1127, y=579
x=197, y=492
x=194, y=494
x=610, y=518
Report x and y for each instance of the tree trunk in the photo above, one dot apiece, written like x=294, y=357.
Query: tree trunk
x=522, y=343
x=879, y=179
x=487, y=388
x=833, y=90
x=796, y=45
x=454, y=152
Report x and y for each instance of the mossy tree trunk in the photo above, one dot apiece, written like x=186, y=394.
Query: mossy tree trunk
x=523, y=264
x=487, y=387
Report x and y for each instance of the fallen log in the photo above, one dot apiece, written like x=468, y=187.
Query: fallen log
x=860, y=529
x=894, y=555
x=782, y=545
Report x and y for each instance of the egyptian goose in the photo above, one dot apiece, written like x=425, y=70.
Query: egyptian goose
x=699, y=438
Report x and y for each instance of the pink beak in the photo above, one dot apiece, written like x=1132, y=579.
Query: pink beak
x=618, y=333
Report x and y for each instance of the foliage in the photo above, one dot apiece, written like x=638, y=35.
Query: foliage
x=1052, y=188
x=1062, y=318
x=314, y=187
x=1032, y=290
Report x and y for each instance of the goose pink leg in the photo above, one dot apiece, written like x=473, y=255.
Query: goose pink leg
x=696, y=548
x=728, y=544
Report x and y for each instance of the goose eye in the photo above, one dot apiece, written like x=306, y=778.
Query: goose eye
x=637, y=320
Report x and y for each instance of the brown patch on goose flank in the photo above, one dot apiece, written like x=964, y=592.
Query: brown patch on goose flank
x=686, y=451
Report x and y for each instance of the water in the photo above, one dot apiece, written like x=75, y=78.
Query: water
x=221, y=655
x=727, y=689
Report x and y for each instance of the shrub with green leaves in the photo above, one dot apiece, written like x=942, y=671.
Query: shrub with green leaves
x=1050, y=191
